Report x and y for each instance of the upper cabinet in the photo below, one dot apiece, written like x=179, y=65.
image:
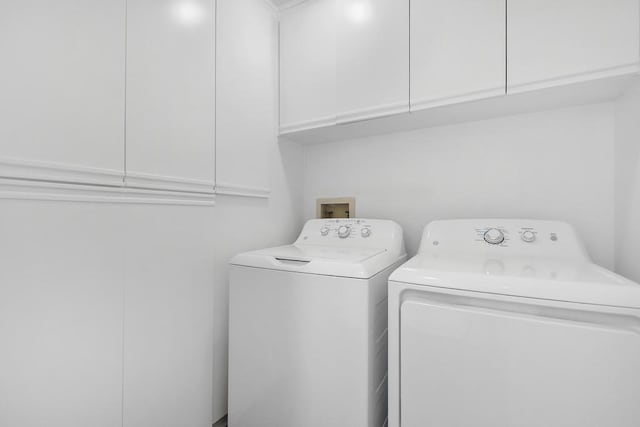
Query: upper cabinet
x=308, y=66
x=247, y=77
x=554, y=42
x=170, y=126
x=372, y=58
x=346, y=61
x=343, y=61
x=457, y=51
x=62, y=90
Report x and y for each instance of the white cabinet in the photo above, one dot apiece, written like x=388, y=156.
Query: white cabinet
x=308, y=66
x=62, y=90
x=554, y=42
x=372, y=58
x=457, y=51
x=343, y=61
x=60, y=315
x=170, y=120
x=246, y=77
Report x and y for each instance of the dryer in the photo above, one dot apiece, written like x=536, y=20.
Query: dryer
x=308, y=327
x=503, y=323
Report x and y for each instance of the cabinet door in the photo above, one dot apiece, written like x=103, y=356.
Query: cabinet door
x=171, y=94
x=246, y=117
x=168, y=322
x=62, y=90
x=457, y=51
x=308, y=66
x=558, y=42
x=60, y=315
x=372, y=58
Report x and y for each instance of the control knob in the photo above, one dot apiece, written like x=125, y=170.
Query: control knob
x=324, y=231
x=344, y=231
x=494, y=236
x=365, y=232
x=528, y=236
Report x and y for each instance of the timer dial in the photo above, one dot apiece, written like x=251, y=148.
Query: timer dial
x=494, y=236
x=344, y=231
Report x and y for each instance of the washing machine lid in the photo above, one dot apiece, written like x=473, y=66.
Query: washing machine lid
x=356, y=247
x=539, y=278
x=361, y=263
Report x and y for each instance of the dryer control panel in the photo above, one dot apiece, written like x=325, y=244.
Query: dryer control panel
x=504, y=237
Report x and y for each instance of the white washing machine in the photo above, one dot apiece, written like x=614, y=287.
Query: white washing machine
x=308, y=327
x=508, y=323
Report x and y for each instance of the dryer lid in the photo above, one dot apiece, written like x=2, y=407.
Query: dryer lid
x=546, y=279
x=535, y=259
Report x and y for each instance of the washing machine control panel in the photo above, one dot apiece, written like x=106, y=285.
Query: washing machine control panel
x=346, y=229
x=356, y=232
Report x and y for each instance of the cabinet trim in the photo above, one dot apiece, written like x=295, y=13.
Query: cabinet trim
x=426, y=103
x=307, y=125
x=226, y=189
x=17, y=189
x=161, y=182
x=585, y=92
x=58, y=172
x=603, y=73
x=373, y=112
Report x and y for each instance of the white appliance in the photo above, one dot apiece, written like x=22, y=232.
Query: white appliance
x=308, y=327
x=504, y=323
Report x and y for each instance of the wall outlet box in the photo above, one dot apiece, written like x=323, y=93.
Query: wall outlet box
x=336, y=207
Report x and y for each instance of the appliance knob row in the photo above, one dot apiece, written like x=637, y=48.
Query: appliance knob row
x=344, y=231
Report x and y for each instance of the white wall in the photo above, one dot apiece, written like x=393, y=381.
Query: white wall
x=550, y=165
x=627, y=178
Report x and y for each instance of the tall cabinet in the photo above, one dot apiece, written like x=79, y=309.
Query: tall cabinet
x=170, y=126
x=246, y=74
x=62, y=90
x=114, y=98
